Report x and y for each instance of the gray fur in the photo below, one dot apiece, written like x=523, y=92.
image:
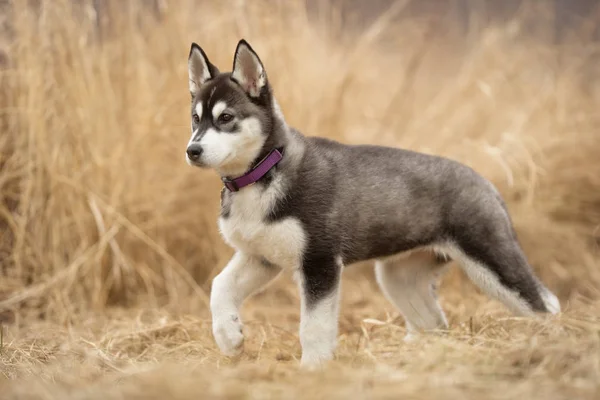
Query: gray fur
x=370, y=202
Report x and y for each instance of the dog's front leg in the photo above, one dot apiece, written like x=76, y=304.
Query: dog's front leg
x=319, y=287
x=243, y=276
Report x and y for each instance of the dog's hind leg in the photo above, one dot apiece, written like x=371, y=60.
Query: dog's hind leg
x=410, y=284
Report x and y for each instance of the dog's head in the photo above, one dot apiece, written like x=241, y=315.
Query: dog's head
x=232, y=113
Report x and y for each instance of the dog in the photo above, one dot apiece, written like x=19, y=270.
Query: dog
x=313, y=206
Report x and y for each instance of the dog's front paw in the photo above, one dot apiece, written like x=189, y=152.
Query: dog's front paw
x=228, y=334
x=314, y=360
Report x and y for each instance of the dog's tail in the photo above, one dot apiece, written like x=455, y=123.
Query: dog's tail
x=509, y=280
x=490, y=254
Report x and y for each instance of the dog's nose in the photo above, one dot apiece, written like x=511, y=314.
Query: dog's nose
x=194, y=151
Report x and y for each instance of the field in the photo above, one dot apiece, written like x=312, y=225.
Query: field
x=109, y=240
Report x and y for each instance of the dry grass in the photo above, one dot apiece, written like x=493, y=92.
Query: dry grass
x=108, y=240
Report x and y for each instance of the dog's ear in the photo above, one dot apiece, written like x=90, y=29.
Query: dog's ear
x=248, y=70
x=199, y=68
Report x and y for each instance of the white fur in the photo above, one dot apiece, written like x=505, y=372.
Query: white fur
x=319, y=327
x=407, y=283
x=243, y=276
x=199, y=109
x=551, y=301
x=232, y=153
x=218, y=109
x=281, y=243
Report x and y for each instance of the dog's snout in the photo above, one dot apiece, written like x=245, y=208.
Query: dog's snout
x=194, y=151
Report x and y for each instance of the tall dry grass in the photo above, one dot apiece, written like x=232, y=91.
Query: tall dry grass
x=98, y=208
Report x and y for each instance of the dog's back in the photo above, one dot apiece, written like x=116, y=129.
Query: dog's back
x=373, y=201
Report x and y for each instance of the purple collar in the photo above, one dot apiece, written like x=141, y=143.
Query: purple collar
x=255, y=173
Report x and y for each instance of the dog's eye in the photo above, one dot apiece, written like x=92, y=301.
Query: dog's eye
x=196, y=118
x=224, y=118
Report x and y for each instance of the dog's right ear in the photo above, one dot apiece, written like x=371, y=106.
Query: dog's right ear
x=199, y=68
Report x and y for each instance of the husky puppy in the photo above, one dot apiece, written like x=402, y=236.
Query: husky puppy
x=313, y=206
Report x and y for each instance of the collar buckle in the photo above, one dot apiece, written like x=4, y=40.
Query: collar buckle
x=230, y=184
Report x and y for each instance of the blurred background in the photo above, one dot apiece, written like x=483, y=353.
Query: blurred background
x=109, y=240
x=98, y=207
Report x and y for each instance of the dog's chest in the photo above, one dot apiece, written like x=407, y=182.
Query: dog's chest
x=245, y=227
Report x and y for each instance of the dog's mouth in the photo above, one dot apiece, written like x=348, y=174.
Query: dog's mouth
x=195, y=163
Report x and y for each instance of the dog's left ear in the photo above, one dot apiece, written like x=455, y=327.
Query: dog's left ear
x=248, y=70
